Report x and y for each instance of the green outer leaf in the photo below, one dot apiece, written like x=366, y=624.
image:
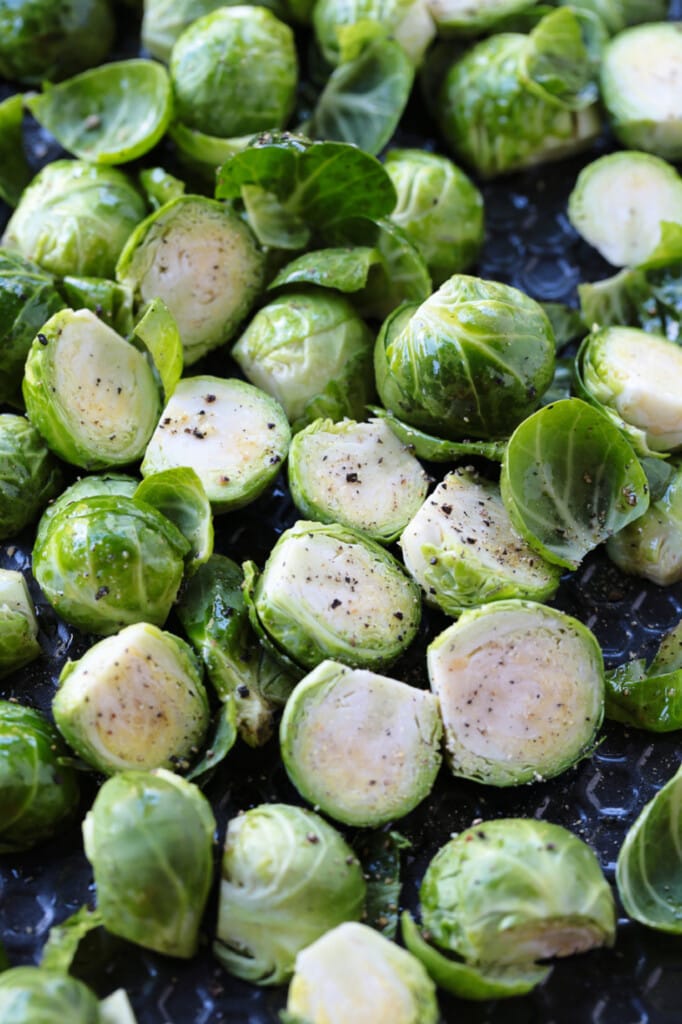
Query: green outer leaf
x=15, y=173
x=380, y=854
x=179, y=495
x=159, y=186
x=649, y=868
x=345, y=269
x=158, y=332
x=650, y=299
x=202, y=153
x=556, y=63
x=570, y=480
x=64, y=939
x=112, y=302
x=337, y=181
x=273, y=167
x=273, y=224
x=436, y=449
x=653, y=702
x=221, y=743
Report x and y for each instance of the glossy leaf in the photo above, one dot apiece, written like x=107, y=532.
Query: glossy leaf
x=346, y=270
x=15, y=173
x=436, y=449
x=158, y=332
x=219, y=744
x=180, y=496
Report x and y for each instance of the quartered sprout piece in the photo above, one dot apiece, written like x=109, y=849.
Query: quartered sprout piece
x=30, y=474
x=233, y=435
x=18, y=624
x=38, y=994
x=363, y=747
x=521, y=692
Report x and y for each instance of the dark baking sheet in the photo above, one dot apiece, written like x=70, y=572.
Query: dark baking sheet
x=531, y=245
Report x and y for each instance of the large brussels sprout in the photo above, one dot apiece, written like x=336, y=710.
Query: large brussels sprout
x=521, y=691
x=105, y=562
x=287, y=877
x=202, y=260
x=29, y=474
x=342, y=29
x=18, y=624
x=38, y=793
x=439, y=208
x=35, y=995
x=313, y=353
x=149, y=838
x=362, y=747
x=75, y=217
x=353, y=975
x=651, y=546
x=42, y=40
x=234, y=72
x=471, y=361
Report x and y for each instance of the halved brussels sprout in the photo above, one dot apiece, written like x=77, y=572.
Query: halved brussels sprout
x=439, y=207
x=312, y=352
x=91, y=394
x=75, y=217
x=18, y=624
x=203, y=261
x=463, y=550
x=40, y=40
x=353, y=975
x=34, y=995
x=640, y=88
x=470, y=361
x=330, y=592
x=342, y=30
x=521, y=691
x=287, y=878
x=149, y=838
x=232, y=434
x=652, y=546
x=29, y=474
x=135, y=700
x=621, y=202
x=362, y=747
x=234, y=72
x=357, y=474
x=38, y=792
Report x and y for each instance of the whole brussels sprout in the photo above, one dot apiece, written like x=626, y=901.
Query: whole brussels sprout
x=234, y=72
x=37, y=792
x=29, y=474
x=75, y=217
x=18, y=624
x=35, y=995
x=94, y=485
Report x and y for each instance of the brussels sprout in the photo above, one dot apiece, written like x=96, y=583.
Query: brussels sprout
x=29, y=474
x=313, y=353
x=357, y=474
x=40, y=40
x=234, y=72
x=75, y=217
x=521, y=691
x=652, y=546
x=108, y=115
x=470, y=361
x=38, y=792
x=343, y=29
x=18, y=624
x=96, y=485
x=90, y=393
x=621, y=202
x=330, y=592
x=203, y=261
x=632, y=377
x=462, y=549
x=362, y=747
x=34, y=995
x=648, y=872
x=640, y=88
x=648, y=297
x=133, y=700
x=464, y=18
x=232, y=434
x=149, y=838
x=353, y=975
x=439, y=207
x=106, y=562
x=287, y=878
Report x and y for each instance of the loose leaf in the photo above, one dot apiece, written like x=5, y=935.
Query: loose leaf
x=179, y=495
x=158, y=332
x=223, y=739
x=379, y=854
x=64, y=939
x=15, y=173
x=346, y=270
x=437, y=449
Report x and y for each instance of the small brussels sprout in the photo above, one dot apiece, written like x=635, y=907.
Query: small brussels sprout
x=464, y=18
x=343, y=29
x=651, y=546
x=362, y=747
x=287, y=877
x=439, y=207
x=133, y=700
x=40, y=40
x=232, y=434
x=203, y=261
x=463, y=550
x=330, y=592
x=149, y=838
x=620, y=203
x=470, y=361
x=313, y=353
x=353, y=975
x=29, y=474
x=106, y=562
x=631, y=375
x=18, y=624
x=516, y=890
x=521, y=691
x=75, y=217
x=91, y=394
x=234, y=72
x=35, y=995
x=38, y=792
x=357, y=474
x=640, y=88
